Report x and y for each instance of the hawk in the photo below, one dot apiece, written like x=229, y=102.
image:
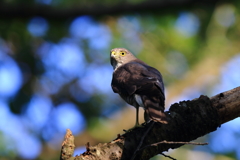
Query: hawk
x=139, y=84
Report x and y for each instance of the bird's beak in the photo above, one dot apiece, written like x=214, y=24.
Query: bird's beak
x=113, y=54
x=113, y=59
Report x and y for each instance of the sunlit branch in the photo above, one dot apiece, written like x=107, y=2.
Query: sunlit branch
x=189, y=120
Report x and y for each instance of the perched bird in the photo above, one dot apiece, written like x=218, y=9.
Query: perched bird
x=138, y=84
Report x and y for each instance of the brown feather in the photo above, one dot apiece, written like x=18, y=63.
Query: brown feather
x=134, y=77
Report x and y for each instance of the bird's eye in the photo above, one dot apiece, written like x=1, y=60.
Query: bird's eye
x=122, y=53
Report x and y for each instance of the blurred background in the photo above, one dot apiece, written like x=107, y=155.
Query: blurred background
x=55, y=72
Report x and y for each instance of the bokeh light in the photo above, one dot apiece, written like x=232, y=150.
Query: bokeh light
x=66, y=57
x=10, y=76
x=129, y=27
x=17, y=137
x=38, y=26
x=187, y=24
x=67, y=116
x=97, y=34
x=225, y=15
x=177, y=64
x=230, y=75
x=46, y=2
x=97, y=78
x=38, y=112
x=229, y=144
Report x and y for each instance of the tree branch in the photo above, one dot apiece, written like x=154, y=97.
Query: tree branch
x=57, y=13
x=188, y=121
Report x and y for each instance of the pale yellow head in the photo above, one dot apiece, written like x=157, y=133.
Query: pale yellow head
x=120, y=56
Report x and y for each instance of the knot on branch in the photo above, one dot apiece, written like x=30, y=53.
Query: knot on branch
x=195, y=117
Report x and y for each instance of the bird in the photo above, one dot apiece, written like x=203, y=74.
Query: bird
x=139, y=84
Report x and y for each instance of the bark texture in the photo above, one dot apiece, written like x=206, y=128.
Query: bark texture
x=67, y=146
x=188, y=121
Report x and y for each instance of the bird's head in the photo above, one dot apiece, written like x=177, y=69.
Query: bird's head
x=120, y=56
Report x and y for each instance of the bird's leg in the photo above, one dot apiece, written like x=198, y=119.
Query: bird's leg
x=137, y=111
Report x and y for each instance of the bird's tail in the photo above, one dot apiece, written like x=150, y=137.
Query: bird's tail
x=155, y=115
x=154, y=111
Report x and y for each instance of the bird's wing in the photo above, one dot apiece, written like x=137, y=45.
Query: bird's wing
x=135, y=75
x=123, y=80
x=154, y=76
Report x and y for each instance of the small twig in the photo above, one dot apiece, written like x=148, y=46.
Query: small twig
x=171, y=142
x=87, y=152
x=168, y=156
x=87, y=146
x=143, y=137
